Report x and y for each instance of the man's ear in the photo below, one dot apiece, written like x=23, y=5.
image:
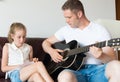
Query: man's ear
x=80, y=14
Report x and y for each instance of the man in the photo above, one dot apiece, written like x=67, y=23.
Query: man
x=95, y=67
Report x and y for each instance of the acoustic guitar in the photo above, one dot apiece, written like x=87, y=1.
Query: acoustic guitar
x=73, y=55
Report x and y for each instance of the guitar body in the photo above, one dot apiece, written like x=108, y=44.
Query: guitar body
x=72, y=62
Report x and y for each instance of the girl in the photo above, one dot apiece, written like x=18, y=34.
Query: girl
x=18, y=61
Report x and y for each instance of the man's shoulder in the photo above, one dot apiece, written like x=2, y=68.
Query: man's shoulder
x=66, y=27
x=99, y=26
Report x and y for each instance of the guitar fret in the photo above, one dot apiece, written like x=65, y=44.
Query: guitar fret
x=86, y=48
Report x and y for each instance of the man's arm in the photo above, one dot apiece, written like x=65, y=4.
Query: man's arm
x=47, y=46
x=105, y=54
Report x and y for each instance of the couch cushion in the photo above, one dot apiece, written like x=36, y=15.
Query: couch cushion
x=36, y=43
x=3, y=40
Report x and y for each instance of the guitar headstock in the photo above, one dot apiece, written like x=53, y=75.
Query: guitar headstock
x=114, y=42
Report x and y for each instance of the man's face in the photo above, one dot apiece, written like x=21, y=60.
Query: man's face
x=71, y=18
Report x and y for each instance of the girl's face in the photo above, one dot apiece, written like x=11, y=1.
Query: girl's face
x=19, y=37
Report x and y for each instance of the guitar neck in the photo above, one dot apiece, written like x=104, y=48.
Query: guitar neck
x=86, y=48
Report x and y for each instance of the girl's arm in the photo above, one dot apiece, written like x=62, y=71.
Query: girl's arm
x=31, y=54
x=4, y=62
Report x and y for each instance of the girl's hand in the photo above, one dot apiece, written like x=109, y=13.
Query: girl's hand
x=35, y=59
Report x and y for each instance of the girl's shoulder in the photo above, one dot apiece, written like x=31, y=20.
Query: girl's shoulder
x=27, y=45
x=5, y=47
x=7, y=44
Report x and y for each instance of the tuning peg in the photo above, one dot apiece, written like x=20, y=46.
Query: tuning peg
x=118, y=39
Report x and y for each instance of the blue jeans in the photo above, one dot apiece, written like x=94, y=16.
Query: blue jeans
x=91, y=73
x=14, y=76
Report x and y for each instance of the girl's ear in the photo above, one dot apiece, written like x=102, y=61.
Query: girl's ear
x=12, y=36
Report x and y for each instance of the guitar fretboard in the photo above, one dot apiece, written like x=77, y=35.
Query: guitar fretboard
x=86, y=48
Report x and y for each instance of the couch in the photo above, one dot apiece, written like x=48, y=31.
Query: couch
x=37, y=51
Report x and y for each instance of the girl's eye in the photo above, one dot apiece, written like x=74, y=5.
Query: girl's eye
x=24, y=37
x=18, y=37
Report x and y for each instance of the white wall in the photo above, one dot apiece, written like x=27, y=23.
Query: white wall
x=43, y=17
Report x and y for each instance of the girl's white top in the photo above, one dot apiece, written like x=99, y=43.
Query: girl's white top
x=18, y=56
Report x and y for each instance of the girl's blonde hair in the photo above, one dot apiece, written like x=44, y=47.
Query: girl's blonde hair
x=13, y=28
